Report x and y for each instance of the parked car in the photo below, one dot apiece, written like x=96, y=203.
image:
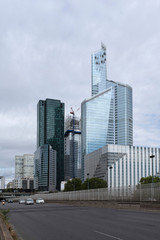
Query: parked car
x=22, y=201
x=10, y=200
x=40, y=200
x=29, y=201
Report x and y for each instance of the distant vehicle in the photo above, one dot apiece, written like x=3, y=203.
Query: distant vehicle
x=10, y=200
x=3, y=202
x=40, y=200
x=29, y=201
x=22, y=201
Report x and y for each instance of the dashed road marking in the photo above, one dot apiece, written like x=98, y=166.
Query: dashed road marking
x=107, y=235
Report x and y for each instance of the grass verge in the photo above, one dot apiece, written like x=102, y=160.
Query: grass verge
x=4, y=216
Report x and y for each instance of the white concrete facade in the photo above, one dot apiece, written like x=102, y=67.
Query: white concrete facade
x=122, y=165
x=2, y=182
x=23, y=183
x=24, y=166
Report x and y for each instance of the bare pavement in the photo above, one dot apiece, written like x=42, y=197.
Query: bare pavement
x=53, y=221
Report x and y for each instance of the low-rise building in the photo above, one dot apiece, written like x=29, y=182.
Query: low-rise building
x=9, y=185
x=122, y=165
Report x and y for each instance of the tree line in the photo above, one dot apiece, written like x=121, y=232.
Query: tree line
x=76, y=184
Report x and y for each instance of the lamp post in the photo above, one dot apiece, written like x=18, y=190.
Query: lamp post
x=74, y=184
x=88, y=180
x=152, y=156
x=110, y=175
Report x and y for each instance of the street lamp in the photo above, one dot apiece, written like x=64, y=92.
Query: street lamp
x=88, y=180
x=152, y=156
x=110, y=175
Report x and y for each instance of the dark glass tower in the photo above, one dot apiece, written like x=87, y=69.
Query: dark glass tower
x=45, y=168
x=50, y=130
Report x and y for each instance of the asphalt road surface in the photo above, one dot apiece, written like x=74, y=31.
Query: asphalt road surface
x=64, y=222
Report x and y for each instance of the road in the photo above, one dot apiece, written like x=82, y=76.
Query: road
x=57, y=222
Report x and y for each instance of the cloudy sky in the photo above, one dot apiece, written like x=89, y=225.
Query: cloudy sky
x=45, y=52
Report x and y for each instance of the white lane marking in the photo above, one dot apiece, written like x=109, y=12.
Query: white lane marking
x=108, y=235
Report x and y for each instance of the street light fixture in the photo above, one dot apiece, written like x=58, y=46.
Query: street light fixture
x=110, y=167
x=152, y=156
x=88, y=180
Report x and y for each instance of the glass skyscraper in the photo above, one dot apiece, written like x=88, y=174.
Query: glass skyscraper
x=50, y=130
x=45, y=168
x=98, y=70
x=72, y=149
x=107, y=116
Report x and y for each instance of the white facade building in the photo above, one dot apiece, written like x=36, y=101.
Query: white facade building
x=2, y=182
x=23, y=183
x=122, y=165
x=24, y=166
x=17, y=183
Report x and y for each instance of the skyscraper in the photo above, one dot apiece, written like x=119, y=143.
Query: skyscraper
x=107, y=116
x=50, y=130
x=45, y=168
x=72, y=149
x=24, y=166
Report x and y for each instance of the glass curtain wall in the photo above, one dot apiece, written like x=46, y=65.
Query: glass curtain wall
x=98, y=71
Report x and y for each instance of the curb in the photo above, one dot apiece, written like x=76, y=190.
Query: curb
x=4, y=232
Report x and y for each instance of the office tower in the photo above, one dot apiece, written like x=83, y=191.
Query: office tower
x=107, y=116
x=72, y=149
x=24, y=166
x=122, y=165
x=98, y=70
x=122, y=112
x=45, y=168
x=50, y=130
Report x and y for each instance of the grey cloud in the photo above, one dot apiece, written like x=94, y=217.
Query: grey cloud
x=45, y=49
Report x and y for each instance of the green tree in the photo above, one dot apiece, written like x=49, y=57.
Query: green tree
x=94, y=183
x=145, y=180
x=73, y=185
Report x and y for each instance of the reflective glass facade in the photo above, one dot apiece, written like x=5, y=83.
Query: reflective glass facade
x=72, y=166
x=97, y=121
x=45, y=168
x=50, y=130
x=123, y=112
x=107, y=118
x=98, y=71
x=72, y=148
